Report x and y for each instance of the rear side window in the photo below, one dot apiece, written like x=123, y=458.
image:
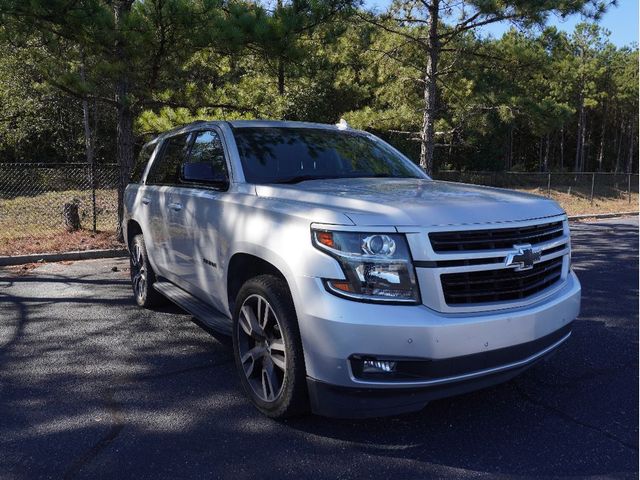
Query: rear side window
x=207, y=148
x=166, y=169
x=141, y=162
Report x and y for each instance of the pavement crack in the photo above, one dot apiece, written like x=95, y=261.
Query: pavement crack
x=117, y=416
x=571, y=419
x=117, y=424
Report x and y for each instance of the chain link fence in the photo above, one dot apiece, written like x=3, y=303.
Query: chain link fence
x=578, y=193
x=33, y=198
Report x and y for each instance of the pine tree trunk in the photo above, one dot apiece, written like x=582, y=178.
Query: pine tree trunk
x=427, y=135
x=124, y=153
x=281, y=77
x=546, y=155
x=89, y=149
x=509, y=156
x=601, y=148
x=125, y=116
x=540, y=154
x=582, y=141
x=586, y=147
x=579, y=135
x=89, y=143
x=632, y=134
x=88, y=136
x=620, y=139
x=562, y=149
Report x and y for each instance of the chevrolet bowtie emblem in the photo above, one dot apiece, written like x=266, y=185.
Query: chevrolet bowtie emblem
x=524, y=258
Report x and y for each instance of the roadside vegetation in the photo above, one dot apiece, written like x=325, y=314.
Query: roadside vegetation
x=33, y=224
x=91, y=81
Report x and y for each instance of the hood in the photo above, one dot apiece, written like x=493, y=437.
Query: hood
x=414, y=202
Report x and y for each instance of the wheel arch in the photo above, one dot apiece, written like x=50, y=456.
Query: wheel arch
x=133, y=229
x=243, y=266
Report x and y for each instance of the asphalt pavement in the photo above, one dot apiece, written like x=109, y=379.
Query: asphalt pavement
x=91, y=386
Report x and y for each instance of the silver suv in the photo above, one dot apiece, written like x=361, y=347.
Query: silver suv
x=350, y=282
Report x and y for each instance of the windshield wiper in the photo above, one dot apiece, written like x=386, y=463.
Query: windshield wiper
x=304, y=178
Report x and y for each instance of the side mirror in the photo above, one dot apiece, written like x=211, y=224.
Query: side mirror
x=202, y=172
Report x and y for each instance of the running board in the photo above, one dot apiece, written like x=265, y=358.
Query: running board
x=205, y=313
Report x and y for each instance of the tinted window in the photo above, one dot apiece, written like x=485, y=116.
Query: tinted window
x=166, y=168
x=280, y=155
x=141, y=162
x=207, y=148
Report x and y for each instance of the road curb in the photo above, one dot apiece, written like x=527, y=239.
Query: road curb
x=602, y=215
x=59, y=257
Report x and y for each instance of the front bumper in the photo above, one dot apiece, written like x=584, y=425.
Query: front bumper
x=346, y=402
x=335, y=329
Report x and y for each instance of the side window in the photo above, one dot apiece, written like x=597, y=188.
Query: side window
x=207, y=149
x=206, y=164
x=141, y=162
x=166, y=168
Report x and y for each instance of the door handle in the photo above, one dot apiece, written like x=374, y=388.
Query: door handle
x=146, y=200
x=176, y=207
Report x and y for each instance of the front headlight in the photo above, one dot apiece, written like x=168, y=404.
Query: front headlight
x=377, y=266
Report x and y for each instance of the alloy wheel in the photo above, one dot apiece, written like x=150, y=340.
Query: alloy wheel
x=261, y=348
x=138, y=271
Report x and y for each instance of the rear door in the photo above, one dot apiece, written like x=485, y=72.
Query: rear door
x=137, y=194
x=164, y=213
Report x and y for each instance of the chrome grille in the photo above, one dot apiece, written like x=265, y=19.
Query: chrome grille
x=500, y=285
x=492, y=239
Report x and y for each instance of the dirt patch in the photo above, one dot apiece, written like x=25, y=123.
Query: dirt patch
x=59, y=242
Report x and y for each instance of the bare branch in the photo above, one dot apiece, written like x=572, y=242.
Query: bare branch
x=80, y=95
x=392, y=30
x=465, y=26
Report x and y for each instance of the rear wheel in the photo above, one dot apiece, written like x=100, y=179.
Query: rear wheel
x=267, y=348
x=142, y=275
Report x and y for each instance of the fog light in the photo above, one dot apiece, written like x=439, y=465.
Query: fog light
x=378, y=366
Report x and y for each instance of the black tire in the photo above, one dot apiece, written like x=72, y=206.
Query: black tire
x=142, y=275
x=281, y=344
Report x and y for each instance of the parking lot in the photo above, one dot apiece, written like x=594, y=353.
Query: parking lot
x=92, y=386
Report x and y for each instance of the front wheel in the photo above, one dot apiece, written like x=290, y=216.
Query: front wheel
x=267, y=348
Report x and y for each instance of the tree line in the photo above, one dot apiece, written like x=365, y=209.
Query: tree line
x=91, y=80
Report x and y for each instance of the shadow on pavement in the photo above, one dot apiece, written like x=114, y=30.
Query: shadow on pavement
x=91, y=385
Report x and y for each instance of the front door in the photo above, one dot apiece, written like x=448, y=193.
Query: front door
x=196, y=239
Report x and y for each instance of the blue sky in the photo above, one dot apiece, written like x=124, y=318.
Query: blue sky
x=621, y=21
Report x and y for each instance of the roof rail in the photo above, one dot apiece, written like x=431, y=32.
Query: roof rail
x=180, y=127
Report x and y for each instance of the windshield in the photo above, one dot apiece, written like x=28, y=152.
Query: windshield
x=291, y=155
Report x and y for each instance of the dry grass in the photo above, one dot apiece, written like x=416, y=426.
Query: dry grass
x=576, y=204
x=59, y=242
x=41, y=215
x=34, y=224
